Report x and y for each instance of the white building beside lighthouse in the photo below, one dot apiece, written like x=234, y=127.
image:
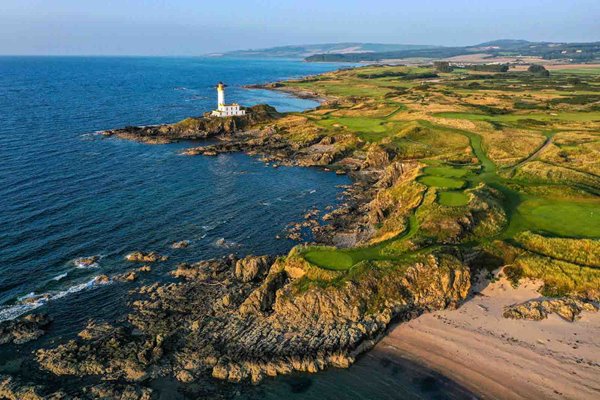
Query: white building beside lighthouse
x=226, y=110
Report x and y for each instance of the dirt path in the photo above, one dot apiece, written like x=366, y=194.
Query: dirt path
x=533, y=155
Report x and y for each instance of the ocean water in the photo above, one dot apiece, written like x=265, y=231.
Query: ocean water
x=66, y=192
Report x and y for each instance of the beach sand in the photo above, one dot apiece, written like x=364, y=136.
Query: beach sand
x=499, y=358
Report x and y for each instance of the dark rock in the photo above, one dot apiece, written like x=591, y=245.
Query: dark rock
x=24, y=329
x=13, y=389
x=196, y=328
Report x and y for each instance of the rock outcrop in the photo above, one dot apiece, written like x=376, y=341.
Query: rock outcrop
x=196, y=127
x=567, y=308
x=250, y=268
x=182, y=244
x=139, y=256
x=233, y=320
x=13, y=389
x=24, y=329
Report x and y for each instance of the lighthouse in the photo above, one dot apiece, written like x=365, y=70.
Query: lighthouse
x=220, y=94
x=226, y=110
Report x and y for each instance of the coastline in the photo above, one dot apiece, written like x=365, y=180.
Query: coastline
x=425, y=340
x=496, y=357
x=487, y=354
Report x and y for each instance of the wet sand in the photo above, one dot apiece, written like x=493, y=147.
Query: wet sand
x=500, y=358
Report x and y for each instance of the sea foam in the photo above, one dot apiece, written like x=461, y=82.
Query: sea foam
x=31, y=301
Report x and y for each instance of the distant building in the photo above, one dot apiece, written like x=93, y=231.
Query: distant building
x=226, y=110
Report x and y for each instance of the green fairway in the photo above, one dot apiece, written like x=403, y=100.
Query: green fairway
x=374, y=125
x=578, y=71
x=344, y=259
x=367, y=128
x=561, y=218
x=552, y=194
x=562, y=116
x=343, y=88
x=441, y=182
x=452, y=199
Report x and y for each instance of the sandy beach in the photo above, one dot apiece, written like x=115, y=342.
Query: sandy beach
x=500, y=358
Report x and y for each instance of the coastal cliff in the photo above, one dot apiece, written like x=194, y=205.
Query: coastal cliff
x=233, y=320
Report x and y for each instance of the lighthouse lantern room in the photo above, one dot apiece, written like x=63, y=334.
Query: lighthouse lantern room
x=226, y=110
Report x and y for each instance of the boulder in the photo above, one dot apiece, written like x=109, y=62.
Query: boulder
x=567, y=308
x=252, y=267
x=139, y=256
x=181, y=244
x=262, y=298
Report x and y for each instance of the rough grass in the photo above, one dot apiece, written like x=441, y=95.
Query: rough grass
x=577, y=251
x=538, y=171
x=560, y=277
x=547, y=117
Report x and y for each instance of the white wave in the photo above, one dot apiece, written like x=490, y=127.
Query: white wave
x=27, y=296
x=87, y=262
x=226, y=244
x=31, y=301
x=92, y=135
x=59, y=277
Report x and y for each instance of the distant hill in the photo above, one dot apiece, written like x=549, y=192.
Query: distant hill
x=504, y=43
x=576, y=52
x=303, y=51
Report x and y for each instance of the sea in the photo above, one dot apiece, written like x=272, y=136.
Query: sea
x=67, y=192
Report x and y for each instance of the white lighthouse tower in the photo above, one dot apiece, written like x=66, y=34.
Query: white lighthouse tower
x=226, y=110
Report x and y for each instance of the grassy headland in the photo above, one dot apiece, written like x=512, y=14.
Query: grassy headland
x=507, y=166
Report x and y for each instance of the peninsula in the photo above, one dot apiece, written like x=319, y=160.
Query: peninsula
x=462, y=179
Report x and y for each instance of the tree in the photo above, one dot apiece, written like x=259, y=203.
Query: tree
x=539, y=70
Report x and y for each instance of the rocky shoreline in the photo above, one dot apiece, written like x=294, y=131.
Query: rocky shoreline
x=242, y=320
x=194, y=128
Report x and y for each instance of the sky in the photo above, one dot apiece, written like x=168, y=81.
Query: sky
x=196, y=27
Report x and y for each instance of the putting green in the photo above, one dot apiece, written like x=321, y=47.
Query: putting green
x=448, y=172
x=442, y=182
x=569, y=219
x=329, y=259
x=452, y=199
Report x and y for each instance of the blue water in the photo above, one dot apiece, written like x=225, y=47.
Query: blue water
x=66, y=193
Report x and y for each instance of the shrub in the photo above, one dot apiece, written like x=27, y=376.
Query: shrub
x=539, y=70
